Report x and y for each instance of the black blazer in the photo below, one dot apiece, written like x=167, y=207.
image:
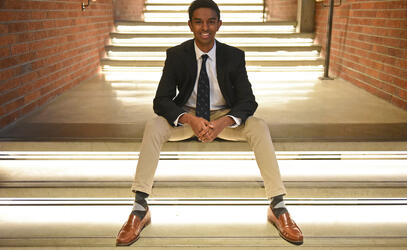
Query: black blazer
x=180, y=72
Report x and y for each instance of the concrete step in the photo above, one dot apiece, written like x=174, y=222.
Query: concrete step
x=198, y=174
x=117, y=108
x=134, y=54
x=264, y=49
x=250, y=56
x=165, y=16
x=285, y=77
x=294, y=39
x=182, y=27
x=171, y=11
x=133, y=131
x=290, y=62
x=189, y=35
x=224, y=7
x=95, y=223
x=148, y=2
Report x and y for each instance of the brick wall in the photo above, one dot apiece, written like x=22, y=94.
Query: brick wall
x=47, y=47
x=128, y=10
x=281, y=10
x=369, y=46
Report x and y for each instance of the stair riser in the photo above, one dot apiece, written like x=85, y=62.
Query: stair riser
x=222, y=8
x=217, y=190
x=241, y=41
x=261, y=49
x=285, y=63
x=260, y=2
x=183, y=17
x=226, y=28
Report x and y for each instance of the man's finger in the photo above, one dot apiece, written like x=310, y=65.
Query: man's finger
x=203, y=132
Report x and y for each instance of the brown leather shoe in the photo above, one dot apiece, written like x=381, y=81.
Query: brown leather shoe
x=286, y=227
x=131, y=230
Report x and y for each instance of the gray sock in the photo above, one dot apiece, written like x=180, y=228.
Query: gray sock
x=278, y=206
x=140, y=204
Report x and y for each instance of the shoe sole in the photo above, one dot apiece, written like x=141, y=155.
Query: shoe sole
x=136, y=239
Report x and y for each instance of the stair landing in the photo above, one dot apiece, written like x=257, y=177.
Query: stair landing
x=313, y=110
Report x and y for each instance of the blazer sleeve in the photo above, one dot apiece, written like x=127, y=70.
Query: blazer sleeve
x=244, y=103
x=163, y=103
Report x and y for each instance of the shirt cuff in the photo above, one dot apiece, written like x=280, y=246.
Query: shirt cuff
x=176, y=123
x=238, y=121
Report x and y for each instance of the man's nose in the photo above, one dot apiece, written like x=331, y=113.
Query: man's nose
x=205, y=26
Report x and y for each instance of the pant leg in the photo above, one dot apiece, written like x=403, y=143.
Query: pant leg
x=256, y=132
x=157, y=131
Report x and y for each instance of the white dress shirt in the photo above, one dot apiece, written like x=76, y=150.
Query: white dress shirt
x=215, y=96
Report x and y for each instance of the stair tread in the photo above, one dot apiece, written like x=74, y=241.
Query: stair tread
x=142, y=23
x=219, y=4
x=188, y=35
x=259, y=48
x=282, y=63
x=380, y=171
x=184, y=12
x=215, y=223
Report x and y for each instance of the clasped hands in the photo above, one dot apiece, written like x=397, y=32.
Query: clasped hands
x=206, y=131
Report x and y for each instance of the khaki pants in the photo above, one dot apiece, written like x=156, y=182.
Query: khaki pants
x=255, y=131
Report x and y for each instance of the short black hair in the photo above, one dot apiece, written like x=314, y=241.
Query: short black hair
x=203, y=4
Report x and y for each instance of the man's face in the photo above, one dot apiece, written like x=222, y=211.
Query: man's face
x=204, y=25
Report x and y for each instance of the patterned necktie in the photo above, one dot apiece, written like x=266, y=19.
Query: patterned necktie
x=202, y=99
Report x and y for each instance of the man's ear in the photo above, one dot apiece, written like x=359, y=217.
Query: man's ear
x=219, y=24
x=190, y=24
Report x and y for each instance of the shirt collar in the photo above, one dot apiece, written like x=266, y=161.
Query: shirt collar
x=211, y=54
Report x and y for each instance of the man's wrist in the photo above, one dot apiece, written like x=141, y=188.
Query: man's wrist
x=185, y=118
x=227, y=121
x=237, y=122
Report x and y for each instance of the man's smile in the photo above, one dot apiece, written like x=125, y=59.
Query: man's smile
x=205, y=35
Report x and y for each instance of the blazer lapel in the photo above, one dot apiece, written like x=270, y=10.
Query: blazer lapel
x=192, y=66
x=220, y=66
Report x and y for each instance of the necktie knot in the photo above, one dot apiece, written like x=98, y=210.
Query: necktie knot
x=204, y=58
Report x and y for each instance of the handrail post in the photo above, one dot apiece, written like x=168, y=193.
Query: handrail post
x=328, y=42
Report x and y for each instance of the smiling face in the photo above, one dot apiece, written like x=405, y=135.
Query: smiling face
x=204, y=24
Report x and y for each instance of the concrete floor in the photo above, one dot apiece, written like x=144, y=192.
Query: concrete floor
x=323, y=111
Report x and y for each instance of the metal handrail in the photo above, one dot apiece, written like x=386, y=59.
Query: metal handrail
x=84, y=6
x=328, y=41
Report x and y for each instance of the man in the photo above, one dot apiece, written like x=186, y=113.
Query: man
x=216, y=102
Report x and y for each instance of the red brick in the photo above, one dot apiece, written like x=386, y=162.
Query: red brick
x=7, y=40
x=4, y=52
x=50, y=56
x=399, y=102
x=17, y=81
x=32, y=96
x=2, y=111
x=7, y=74
x=3, y=28
x=7, y=62
x=4, y=121
x=14, y=105
x=38, y=15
